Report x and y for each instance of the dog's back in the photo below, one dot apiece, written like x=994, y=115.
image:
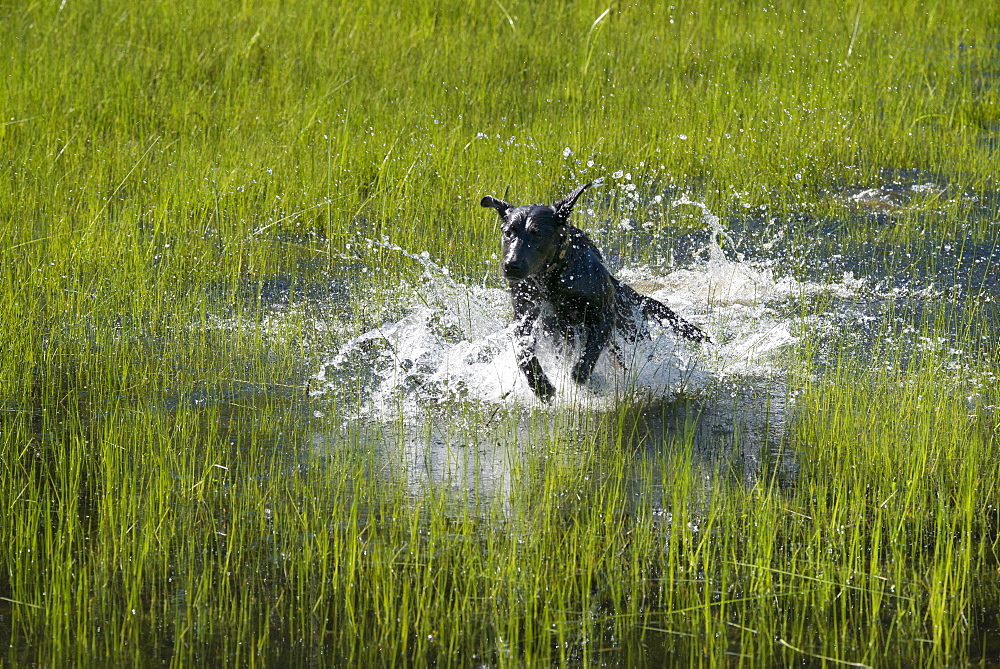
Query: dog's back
x=633, y=307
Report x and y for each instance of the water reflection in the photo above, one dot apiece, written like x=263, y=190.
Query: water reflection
x=481, y=458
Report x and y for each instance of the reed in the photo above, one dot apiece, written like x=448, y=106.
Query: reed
x=193, y=213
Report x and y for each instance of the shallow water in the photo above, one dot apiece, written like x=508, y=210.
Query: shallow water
x=455, y=340
x=419, y=385
x=434, y=395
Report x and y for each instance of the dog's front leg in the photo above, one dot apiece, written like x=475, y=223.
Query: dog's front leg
x=527, y=361
x=598, y=335
x=527, y=299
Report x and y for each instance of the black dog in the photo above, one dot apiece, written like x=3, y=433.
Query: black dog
x=556, y=273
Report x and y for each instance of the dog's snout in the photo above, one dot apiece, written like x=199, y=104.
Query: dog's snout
x=513, y=265
x=512, y=269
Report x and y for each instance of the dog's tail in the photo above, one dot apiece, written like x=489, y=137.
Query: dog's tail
x=655, y=310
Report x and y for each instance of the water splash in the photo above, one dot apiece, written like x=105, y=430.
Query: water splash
x=455, y=341
x=438, y=393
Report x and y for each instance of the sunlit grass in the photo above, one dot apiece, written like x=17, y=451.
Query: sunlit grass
x=188, y=198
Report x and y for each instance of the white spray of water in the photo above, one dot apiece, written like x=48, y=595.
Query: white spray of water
x=456, y=340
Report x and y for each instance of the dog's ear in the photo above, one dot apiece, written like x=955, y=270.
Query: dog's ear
x=499, y=205
x=564, y=206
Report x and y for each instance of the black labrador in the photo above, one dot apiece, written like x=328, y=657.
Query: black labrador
x=556, y=273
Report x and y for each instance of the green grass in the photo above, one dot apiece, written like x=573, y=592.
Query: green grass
x=167, y=489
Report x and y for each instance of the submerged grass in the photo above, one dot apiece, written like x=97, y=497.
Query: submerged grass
x=188, y=195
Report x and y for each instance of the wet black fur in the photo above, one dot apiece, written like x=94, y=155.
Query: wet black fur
x=555, y=272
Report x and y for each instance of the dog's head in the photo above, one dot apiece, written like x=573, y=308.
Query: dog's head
x=532, y=233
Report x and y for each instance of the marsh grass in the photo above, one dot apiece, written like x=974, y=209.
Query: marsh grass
x=188, y=204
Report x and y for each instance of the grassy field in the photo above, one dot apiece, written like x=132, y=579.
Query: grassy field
x=189, y=196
